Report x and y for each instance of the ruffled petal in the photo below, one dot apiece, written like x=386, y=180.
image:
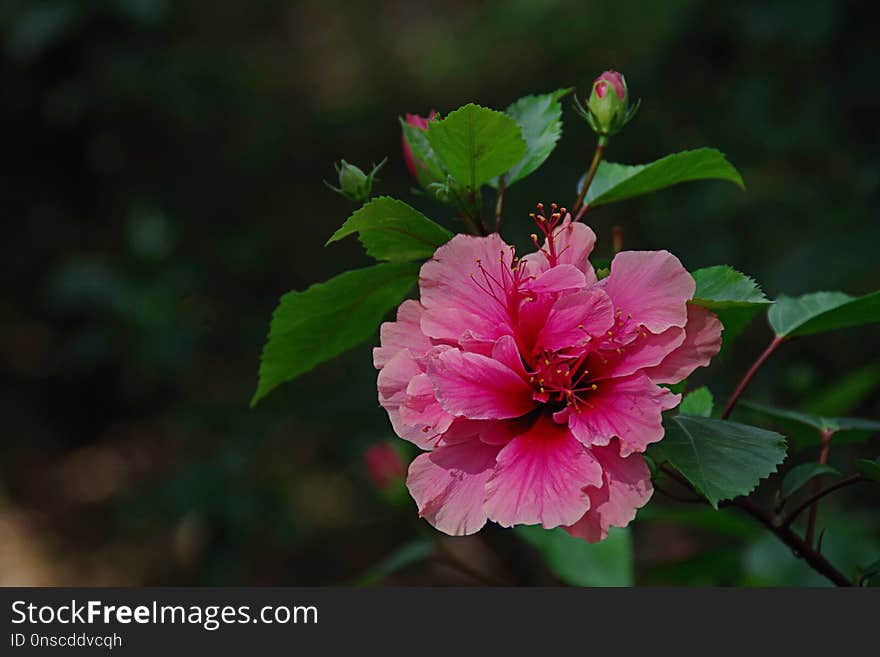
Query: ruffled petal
x=629, y=408
x=558, y=279
x=505, y=351
x=650, y=286
x=702, y=342
x=405, y=333
x=626, y=488
x=644, y=350
x=469, y=274
x=540, y=477
x=393, y=381
x=575, y=319
x=478, y=387
x=449, y=485
x=421, y=409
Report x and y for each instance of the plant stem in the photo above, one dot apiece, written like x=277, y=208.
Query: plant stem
x=579, y=208
x=478, y=206
x=472, y=225
x=499, y=203
x=799, y=547
x=815, y=497
x=750, y=375
x=814, y=509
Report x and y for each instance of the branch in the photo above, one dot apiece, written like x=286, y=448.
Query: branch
x=853, y=479
x=577, y=210
x=798, y=546
x=740, y=389
x=499, y=203
x=782, y=531
x=814, y=509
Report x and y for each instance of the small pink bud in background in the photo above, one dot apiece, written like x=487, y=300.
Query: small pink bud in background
x=384, y=465
x=420, y=122
x=608, y=108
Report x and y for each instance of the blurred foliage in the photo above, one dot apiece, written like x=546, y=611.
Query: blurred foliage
x=162, y=188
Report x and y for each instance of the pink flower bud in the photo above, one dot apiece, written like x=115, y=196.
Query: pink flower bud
x=613, y=78
x=384, y=465
x=608, y=111
x=412, y=163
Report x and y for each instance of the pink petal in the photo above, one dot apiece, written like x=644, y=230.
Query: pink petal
x=626, y=488
x=421, y=409
x=540, y=477
x=701, y=343
x=574, y=243
x=449, y=485
x=576, y=318
x=505, y=351
x=392, y=383
x=469, y=274
x=462, y=430
x=652, y=287
x=557, y=279
x=454, y=325
x=645, y=350
x=478, y=387
x=628, y=408
x=405, y=333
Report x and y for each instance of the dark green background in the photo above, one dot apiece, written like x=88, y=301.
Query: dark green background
x=161, y=187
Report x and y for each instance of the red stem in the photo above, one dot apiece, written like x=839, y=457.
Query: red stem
x=740, y=389
x=814, y=508
x=798, y=546
x=843, y=483
x=579, y=210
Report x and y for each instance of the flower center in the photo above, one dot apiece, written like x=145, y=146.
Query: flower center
x=561, y=381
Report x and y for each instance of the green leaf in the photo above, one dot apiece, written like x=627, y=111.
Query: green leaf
x=869, y=469
x=822, y=311
x=540, y=118
x=474, y=144
x=698, y=402
x=733, y=296
x=845, y=393
x=392, y=230
x=845, y=429
x=421, y=148
x=329, y=318
x=617, y=182
x=721, y=459
x=815, y=421
x=576, y=562
x=802, y=474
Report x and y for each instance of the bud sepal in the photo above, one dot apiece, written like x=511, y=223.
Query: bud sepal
x=354, y=184
x=608, y=108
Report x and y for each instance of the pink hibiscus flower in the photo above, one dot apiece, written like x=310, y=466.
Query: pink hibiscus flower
x=533, y=386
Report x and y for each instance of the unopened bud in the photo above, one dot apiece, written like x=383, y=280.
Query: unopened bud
x=608, y=108
x=354, y=184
